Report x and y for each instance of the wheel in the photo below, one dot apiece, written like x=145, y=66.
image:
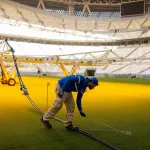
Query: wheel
x=3, y=81
x=11, y=82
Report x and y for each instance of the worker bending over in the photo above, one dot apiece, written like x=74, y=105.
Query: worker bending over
x=64, y=89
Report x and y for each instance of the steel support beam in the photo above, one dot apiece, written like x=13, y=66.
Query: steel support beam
x=41, y=5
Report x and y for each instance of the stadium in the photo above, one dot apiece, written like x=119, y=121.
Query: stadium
x=44, y=41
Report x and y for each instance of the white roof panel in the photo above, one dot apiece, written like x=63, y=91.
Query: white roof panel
x=102, y=25
x=123, y=52
x=119, y=25
x=83, y=25
x=128, y=35
x=139, y=52
x=135, y=24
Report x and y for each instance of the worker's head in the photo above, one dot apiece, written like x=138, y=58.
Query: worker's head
x=92, y=83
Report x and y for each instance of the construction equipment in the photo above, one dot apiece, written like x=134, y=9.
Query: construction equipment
x=7, y=77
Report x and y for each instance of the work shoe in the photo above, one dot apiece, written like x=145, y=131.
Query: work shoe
x=71, y=127
x=46, y=123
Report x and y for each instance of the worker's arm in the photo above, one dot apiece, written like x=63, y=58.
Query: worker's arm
x=79, y=105
x=80, y=91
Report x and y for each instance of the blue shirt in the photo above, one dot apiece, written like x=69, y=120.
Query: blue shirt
x=75, y=83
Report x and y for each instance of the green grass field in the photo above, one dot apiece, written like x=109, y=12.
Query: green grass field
x=124, y=106
x=126, y=80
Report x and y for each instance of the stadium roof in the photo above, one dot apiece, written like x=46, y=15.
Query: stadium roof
x=92, y=29
x=113, y=5
x=94, y=5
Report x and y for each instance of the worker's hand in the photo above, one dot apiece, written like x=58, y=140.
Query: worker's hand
x=82, y=114
x=60, y=94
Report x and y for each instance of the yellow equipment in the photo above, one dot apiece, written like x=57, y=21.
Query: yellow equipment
x=7, y=77
x=66, y=73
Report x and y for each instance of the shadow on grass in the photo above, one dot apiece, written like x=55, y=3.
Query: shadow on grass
x=34, y=111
